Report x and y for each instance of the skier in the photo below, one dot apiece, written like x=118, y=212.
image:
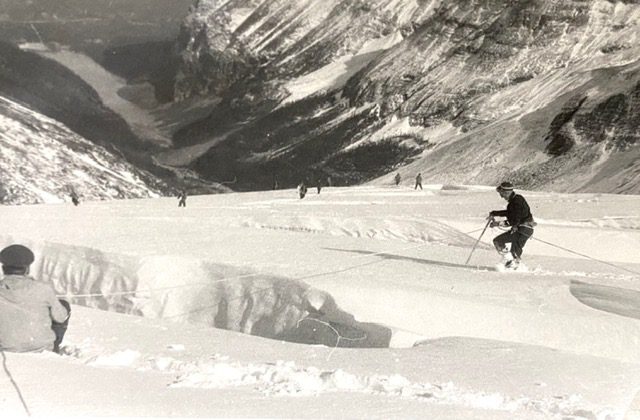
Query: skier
x=319, y=185
x=74, y=198
x=302, y=189
x=31, y=317
x=519, y=219
x=418, y=181
x=182, y=196
x=397, y=178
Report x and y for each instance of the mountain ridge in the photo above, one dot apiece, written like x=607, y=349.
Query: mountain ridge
x=460, y=67
x=538, y=92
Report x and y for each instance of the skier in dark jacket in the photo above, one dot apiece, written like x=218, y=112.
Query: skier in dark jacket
x=182, y=198
x=302, y=190
x=418, y=182
x=518, y=218
x=74, y=198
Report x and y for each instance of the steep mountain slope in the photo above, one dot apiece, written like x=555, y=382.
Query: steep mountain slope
x=77, y=93
x=53, y=90
x=225, y=40
x=560, y=80
x=43, y=161
x=132, y=38
x=538, y=91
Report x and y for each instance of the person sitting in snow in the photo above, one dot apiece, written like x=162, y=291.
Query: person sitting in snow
x=518, y=218
x=31, y=316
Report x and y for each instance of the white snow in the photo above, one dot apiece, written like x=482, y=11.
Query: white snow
x=238, y=17
x=373, y=266
x=380, y=44
x=64, y=159
x=334, y=76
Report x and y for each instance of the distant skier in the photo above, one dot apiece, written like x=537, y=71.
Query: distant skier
x=302, y=190
x=519, y=219
x=397, y=178
x=418, y=181
x=275, y=182
x=182, y=198
x=319, y=185
x=74, y=198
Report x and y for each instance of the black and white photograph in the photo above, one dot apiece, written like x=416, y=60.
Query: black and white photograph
x=320, y=209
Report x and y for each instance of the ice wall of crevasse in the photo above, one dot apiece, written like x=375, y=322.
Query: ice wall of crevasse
x=183, y=289
x=43, y=160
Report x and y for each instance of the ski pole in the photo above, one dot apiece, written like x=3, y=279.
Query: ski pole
x=479, y=237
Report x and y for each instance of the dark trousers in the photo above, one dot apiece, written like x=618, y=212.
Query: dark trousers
x=516, y=239
x=60, y=328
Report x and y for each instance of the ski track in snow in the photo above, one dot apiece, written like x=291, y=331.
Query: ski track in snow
x=286, y=378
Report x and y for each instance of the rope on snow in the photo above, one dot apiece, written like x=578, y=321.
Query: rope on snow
x=15, y=385
x=583, y=255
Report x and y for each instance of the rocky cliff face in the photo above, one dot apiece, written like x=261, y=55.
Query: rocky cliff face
x=542, y=92
x=225, y=41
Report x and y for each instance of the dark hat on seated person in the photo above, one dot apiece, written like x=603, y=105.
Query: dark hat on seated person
x=505, y=186
x=16, y=256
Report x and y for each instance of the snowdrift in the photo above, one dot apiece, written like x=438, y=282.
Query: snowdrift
x=183, y=289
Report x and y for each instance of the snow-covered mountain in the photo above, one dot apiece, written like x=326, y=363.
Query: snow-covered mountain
x=44, y=161
x=79, y=99
x=541, y=92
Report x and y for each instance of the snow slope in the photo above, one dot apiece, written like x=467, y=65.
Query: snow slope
x=43, y=160
x=361, y=299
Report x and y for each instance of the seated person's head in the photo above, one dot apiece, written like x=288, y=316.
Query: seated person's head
x=16, y=259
